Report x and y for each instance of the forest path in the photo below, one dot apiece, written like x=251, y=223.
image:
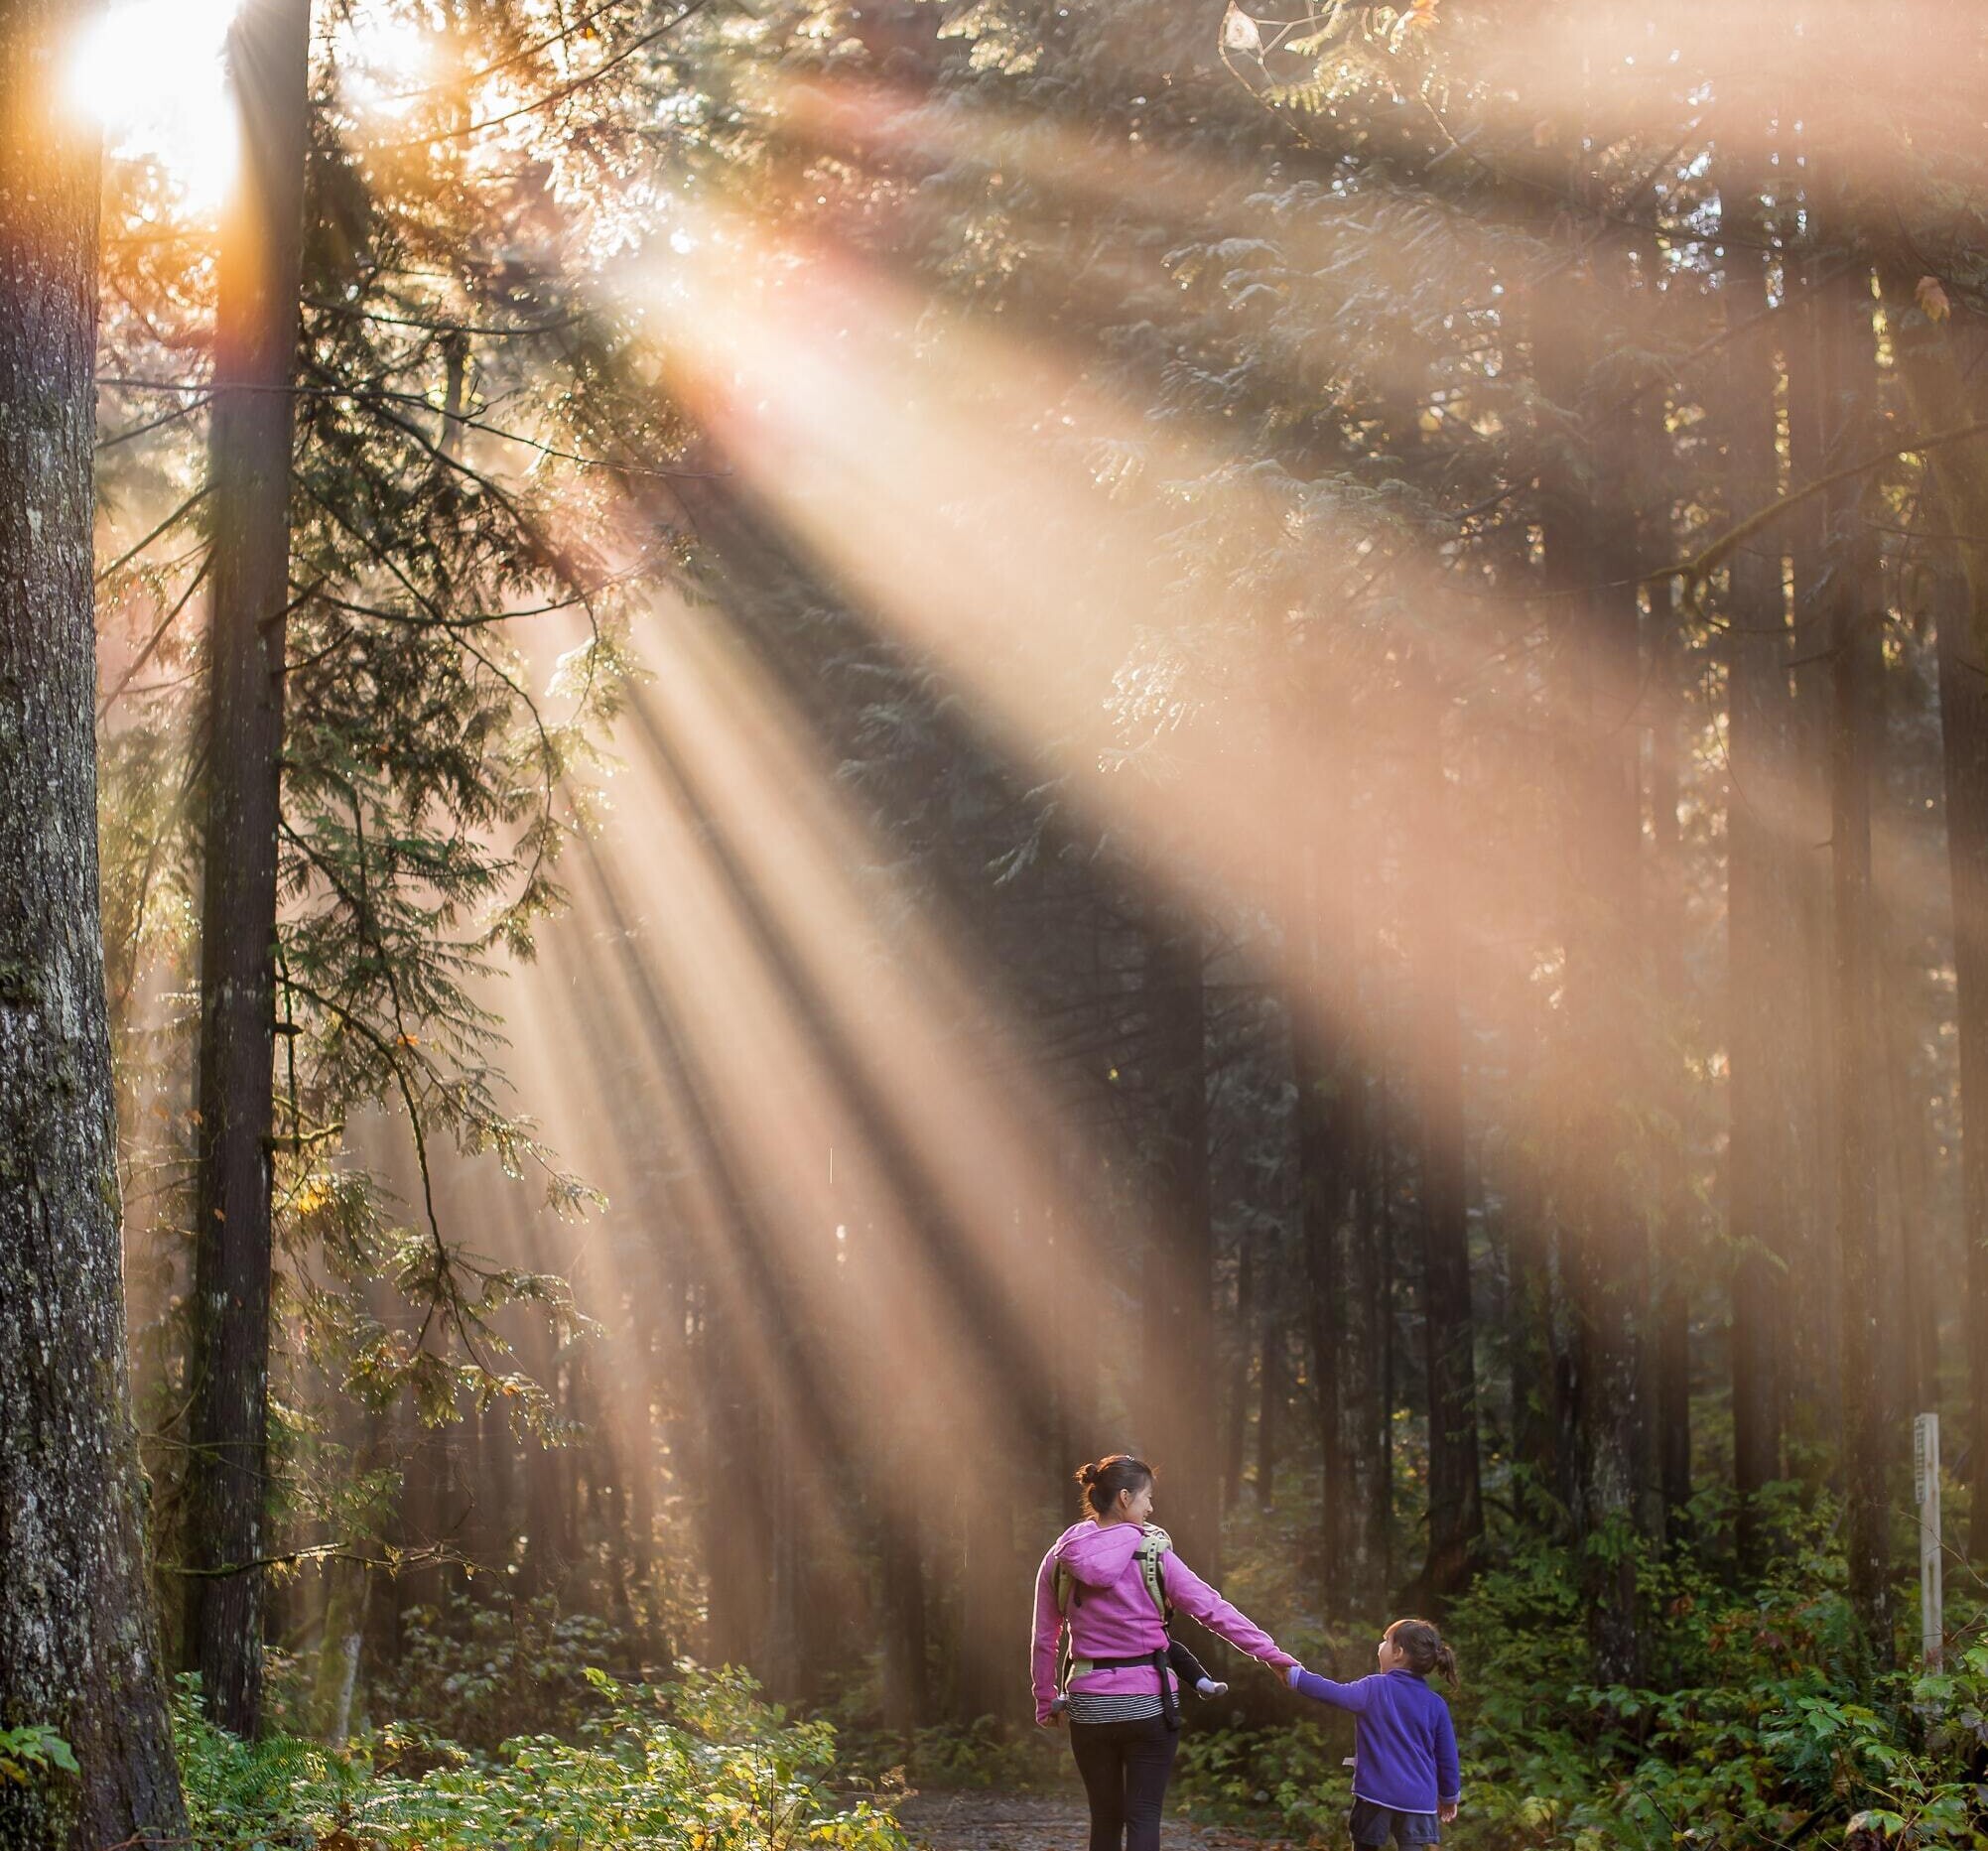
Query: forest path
x=998, y=1821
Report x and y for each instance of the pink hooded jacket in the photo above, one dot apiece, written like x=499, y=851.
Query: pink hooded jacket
x=1112, y=1616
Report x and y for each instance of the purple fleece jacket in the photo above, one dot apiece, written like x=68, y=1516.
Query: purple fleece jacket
x=1403, y=1743
x=1112, y=1616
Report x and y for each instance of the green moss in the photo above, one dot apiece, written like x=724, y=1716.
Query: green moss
x=19, y=984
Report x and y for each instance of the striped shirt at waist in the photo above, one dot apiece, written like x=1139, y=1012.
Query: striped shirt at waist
x=1094, y=1706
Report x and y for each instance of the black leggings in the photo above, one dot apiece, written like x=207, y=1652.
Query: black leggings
x=1126, y=1767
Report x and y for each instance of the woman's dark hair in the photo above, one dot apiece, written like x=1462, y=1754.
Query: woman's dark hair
x=1425, y=1650
x=1114, y=1473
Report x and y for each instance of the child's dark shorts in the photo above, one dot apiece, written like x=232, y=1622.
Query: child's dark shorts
x=1374, y=1825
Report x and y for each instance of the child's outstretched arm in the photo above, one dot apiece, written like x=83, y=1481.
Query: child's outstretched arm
x=1351, y=1696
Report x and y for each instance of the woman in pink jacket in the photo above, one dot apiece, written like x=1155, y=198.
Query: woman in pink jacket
x=1122, y=1700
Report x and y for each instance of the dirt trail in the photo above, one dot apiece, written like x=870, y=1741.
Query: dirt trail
x=995, y=1822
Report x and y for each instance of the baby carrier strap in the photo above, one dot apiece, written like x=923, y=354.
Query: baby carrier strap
x=1150, y=1557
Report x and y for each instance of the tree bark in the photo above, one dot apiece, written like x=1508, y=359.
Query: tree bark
x=1604, y=1246
x=348, y=1588
x=1319, y=1185
x=1937, y=392
x=1456, y=1503
x=77, y=1650
x=907, y=1683
x=1235, y=1410
x=1913, y=1262
x=250, y=453
x=1273, y=1391
x=1857, y=663
x=1528, y=1260
x=1180, y=1282
x=1363, y=1359
x=337, y=1674
x=1964, y=714
x=1671, y=1359
x=1331, y=1138
x=1761, y=953
x=1810, y=1388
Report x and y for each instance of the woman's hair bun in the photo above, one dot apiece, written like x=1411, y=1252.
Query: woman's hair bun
x=1114, y=1473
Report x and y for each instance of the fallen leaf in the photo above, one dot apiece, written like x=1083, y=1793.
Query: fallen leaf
x=1240, y=32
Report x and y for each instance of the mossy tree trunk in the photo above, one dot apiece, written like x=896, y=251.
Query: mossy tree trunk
x=76, y=1642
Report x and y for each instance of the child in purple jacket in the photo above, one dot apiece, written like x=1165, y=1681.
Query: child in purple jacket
x=1406, y=1782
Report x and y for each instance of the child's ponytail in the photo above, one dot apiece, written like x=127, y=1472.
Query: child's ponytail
x=1425, y=1650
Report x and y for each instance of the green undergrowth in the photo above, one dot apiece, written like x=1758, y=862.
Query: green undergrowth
x=1752, y=1724
x=697, y=1765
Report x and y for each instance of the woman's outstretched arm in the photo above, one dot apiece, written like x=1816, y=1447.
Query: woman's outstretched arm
x=1194, y=1596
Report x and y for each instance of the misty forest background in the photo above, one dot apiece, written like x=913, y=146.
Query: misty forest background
x=850, y=749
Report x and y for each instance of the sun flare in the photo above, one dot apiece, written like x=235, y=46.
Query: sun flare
x=151, y=72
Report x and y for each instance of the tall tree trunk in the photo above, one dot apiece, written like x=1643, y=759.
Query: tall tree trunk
x=490, y=1532
x=1363, y=1391
x=547, y=1561
x=1964, y=714
x=1361, y=1500
x=1811, y=1390
x=1456, y=1505
x=1917, y=1305
x=1855, y=616
x=1671, y=1400
x=1320, y=1190
x=337, y=1682
x=1179, y=1285
x=1939, y=395
x=1329, y=1117
x=1236, y=1410
x=907, y=1682
x=1604, y=1246
x=1761, y=954
x=992, y=1568
x=640, y=1448
x=1273, y=1392
x=255, y=356
x=347, y=1587
x=1528, y=1260
x=78, y=1650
